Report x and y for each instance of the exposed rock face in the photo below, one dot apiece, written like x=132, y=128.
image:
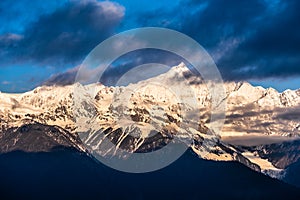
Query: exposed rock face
x=146, y=116
x=36, y=137
x=282, y=154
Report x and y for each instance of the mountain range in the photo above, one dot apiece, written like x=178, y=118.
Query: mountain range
x=261, y=126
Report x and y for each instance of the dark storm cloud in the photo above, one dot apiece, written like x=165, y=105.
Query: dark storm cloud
x=272, y=51
x=120, y=66
x=247, y=39
x=209, y=22
x=65, y=35
x=64, y=78
x=15, y=15
x=218, y=20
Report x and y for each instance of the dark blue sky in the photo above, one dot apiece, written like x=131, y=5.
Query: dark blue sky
x=257, y=40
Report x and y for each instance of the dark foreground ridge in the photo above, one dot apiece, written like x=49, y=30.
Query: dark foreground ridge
x=65, y=173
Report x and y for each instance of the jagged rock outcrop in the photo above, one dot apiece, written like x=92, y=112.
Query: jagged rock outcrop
x=147, y=115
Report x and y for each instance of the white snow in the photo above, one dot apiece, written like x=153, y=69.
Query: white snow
x=250, y=110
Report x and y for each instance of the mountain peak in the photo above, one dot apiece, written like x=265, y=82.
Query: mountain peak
x=181, y=67
x=179, y=74
x=160, y=103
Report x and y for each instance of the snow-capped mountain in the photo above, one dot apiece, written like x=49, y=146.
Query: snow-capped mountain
x=147, y=115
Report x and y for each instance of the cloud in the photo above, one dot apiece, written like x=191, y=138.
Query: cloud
x=119, y=67
x=63, y=78
x=255, y=39
x=14, y=16
x=247, y=39
x=272, y=51
x=290, y=114
x=5, y=82
x=64, y=36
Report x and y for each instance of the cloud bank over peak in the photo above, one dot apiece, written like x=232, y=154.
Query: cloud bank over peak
x=249, y=40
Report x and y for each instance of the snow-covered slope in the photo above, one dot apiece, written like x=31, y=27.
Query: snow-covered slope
x=174, y=103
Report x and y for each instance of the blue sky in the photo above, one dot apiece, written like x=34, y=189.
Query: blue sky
x=256, y=41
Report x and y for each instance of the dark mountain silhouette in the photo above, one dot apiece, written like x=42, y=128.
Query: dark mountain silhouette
x=65, y=173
